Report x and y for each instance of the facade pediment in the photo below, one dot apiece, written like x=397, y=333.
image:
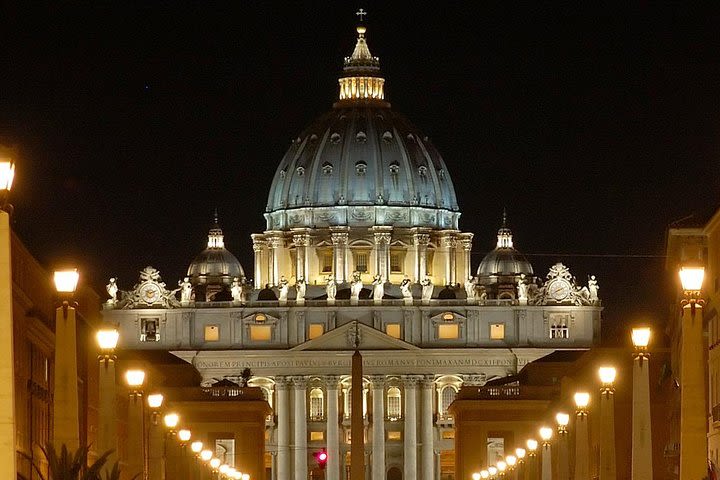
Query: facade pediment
x=344, y=338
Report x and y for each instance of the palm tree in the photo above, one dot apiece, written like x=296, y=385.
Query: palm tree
x=67, y=466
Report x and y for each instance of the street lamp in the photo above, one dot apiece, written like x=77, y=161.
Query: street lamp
x=196, y=447
x=206, y=455
x=607, y=423
x=582, y=440
x=492, y=471
x=107, y=339
x=693, y=432
x=136, y=425
x=546, y=434
x=532, y=466
x=156, y=461
x=501, y=466
x=563, y=467
x=7, y=366
x=66, y=413
x=171, y=421
x=184, y=435
x=641, y=426
x=484, y=474
x=511, y=461
x=476, y=476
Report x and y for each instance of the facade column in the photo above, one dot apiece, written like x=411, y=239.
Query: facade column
x=135, y=435
x=421, y=241
x=340, y=243
x=582, y=445
x=7, y=367
x=66, y=416
x=274, y=244
x=448, y=243
x=283, y=428
x=156, y=448
x=546, y=461
x=410, y=440
x=107, y=421
x=300, y=421
x=301, y=241
x=260, y=274
x=466, y=244
x=426, y=436
x=382, y=237
x=333, y=434
x=607, y=433
x=641, y=433
x=378, y=436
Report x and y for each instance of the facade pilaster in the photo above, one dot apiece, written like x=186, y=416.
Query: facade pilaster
x=283, y=427
x=410, y=440
x=421, y=241
x=333, y=434
x=426, y=435
x=340, y=261
x=378, y=431
x=300, y=417
x=382, y=237
x=301, y=241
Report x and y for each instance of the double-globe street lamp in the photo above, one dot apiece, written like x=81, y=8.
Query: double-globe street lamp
x=107, y=339
x=136, y=463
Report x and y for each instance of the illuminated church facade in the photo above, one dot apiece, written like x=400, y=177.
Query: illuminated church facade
x=362, y=249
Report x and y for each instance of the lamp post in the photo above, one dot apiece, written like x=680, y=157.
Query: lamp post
x=136, y=424
x=7, y=363
x=511, y=461
x=476, y=476
x=532, y=466
x=582, y=440
x=196, y=448
x=156, y=459
x=607, y=423
x=502, y=467
x=484, y=474
x=66, y=405
x=693, y=434
x=107, y=339
x=521, y=471
x=492, y=471
x=641, y=428
x=546, y=434
x=171, y=421
x=563, y=462
x=184, y=436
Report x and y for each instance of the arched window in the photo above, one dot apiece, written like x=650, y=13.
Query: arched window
x=447, y=396
x=348, y=402
x=317, y=404
x=394, y=409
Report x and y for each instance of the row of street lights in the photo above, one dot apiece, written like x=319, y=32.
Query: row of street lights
x=641, y=444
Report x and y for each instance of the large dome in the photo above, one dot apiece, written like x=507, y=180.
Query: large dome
x=362, y=164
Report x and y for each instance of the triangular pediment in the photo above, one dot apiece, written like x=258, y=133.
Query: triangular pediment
x=343, y=338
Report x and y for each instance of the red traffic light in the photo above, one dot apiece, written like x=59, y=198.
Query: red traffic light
x=321, y=458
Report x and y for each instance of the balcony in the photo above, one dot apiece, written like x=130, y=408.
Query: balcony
x=510, y=392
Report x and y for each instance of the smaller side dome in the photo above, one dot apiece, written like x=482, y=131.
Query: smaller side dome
x=504, y=260
x=215, y=265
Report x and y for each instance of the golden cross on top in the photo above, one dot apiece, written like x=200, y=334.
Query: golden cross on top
x=361, y=13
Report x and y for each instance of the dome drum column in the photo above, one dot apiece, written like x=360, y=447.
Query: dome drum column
x=339, y=237
x=274, y=244
x=466, y=267
x=448, y=243
x=259, y=247
x=382, y=237
x=421, y=241
x=301, y=241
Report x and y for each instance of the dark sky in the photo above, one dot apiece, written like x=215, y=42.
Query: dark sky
x=595, y=126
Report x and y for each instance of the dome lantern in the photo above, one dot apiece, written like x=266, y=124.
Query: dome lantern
x=361, y=79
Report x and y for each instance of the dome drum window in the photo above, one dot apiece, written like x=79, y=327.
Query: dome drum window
x=394, y=169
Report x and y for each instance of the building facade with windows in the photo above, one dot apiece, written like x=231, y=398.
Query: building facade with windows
x=363, y=250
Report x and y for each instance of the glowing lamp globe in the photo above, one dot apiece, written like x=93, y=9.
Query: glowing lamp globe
x=224, y=468
x=532, y=444
x=546, y=433
x=607, y=375
x=171, y=420
x=493, y=471
x=184, y=435
x=215, y=463
x=7, y=174
x=107, y=338
x=582, y=399
x=692, y=278
x=476, y=476
x=206, y=455
x=501, y=466
x=135, y=378
x=238, y=475
x=641, y=337
x=155, y=400
x=520, y=453
x=196, y=447
x=66, y=280
x=245, y=476
x=562, y=419
x=484, y=474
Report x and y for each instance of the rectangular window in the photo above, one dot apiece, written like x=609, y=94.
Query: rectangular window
x=326, y=264
x=393, y=330
x=315, y=330
x=225, y=450
x=448, y=434
x=317, y=436
x=260, y=333
x=212, y=333
x=448, y=332
x=396, y=259
x=497, y=331
x=495, y=449
x=559, y=325
x=150, y=330
x=394, y=436
x=429, y=261
x=361, y=261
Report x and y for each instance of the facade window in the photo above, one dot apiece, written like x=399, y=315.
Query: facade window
x=348, y=403
x=559, y=331
x=429, y=261
x=317, y=436
x=396, y=261
x=393, y=330
x=495, y=449
x=448, y=434
x=447, y=395
x=394, y=409
x=150, y=330
x=326, y=261
x=212, y=333
x=361, y=261
x=315, y=330
x=497, y=331
x=394, y=436
x=448, y=332
x=225, y=450
x=260, y=333
x=317, y=405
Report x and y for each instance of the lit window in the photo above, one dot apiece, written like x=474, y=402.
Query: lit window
x=326, y=258
x=348, y=402
x=448, y=332
x=394, y=436
x=150, y=330
x=396, y=262
x=361, y=262
x=212, y=333
x=394, y=410
x=260, y=333
x=447, y=396
x=260, y=317
x=559, y=325
x=316, y=404
x=429, y=261
x=393, y=330
x=448, y=317
x=317, y=436
x=497, y=331
x=315, y=330
x=448, y=434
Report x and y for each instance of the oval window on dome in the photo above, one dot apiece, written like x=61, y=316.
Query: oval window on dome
x=361, y=137
x=394, y=168
x=422, y=170
x=335, y=138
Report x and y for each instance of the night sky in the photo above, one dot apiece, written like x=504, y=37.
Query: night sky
x=595, y=128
